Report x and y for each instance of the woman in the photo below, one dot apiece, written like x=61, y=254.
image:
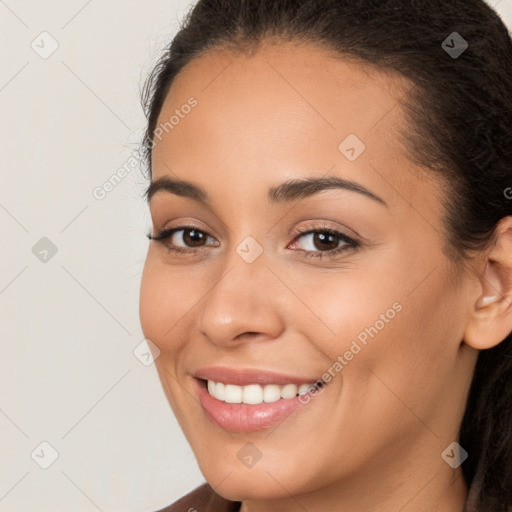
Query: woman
x=329, y=278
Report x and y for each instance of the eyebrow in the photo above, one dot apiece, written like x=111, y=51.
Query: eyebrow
x=288, y=191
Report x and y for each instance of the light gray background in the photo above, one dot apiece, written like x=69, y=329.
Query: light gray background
x=69, y=325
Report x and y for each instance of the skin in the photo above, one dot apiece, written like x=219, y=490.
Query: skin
x=372, y=439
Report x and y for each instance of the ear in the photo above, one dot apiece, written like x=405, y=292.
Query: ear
x=491, y=315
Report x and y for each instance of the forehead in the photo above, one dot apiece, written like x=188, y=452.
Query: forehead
x=297, y=82
x=282, y=110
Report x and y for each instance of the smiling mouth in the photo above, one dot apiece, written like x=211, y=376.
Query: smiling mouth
x=232, y=411
x=255, y=394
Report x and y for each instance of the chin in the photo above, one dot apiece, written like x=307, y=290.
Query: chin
x=250, y=488
x=261, y=482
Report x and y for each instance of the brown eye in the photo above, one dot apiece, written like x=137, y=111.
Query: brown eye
x=325, y=241
x=183, y=239
x=321, y=241
x=192, y=237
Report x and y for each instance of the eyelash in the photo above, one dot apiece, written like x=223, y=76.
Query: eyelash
x=351, y=244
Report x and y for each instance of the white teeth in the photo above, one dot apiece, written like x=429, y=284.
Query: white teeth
x=304, y=388
x=271, y=393
x=220, y=390
x=289, y=391
x=254, y=394
x=233, y=394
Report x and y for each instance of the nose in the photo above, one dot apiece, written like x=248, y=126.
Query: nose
x=243, y=304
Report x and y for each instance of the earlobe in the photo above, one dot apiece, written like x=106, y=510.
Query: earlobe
x=485, y=301
x=491, y=316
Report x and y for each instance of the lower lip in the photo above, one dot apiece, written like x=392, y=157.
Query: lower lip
x=245, y=417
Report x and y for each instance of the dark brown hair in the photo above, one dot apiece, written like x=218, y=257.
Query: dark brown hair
x=460, y=127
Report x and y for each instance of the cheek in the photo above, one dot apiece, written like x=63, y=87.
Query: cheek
x=383, y=321
x=402, y=348
x=346, y=307
x=150, y=301
x=162, y=301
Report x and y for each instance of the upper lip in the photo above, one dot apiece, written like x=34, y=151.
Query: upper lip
x=246, y=376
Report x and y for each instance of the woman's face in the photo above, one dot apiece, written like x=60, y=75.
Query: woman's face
x=265, y=291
